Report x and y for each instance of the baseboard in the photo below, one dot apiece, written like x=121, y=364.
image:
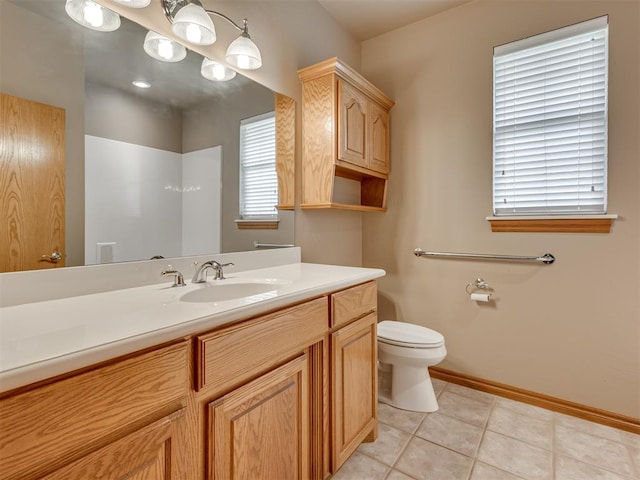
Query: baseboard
x=604, y=417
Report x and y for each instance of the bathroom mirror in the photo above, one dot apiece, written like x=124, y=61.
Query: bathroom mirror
x=148, y=172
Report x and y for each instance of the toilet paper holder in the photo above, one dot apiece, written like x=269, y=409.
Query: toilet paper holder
x=478, y=284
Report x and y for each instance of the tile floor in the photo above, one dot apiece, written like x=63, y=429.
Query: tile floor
x=479, y=436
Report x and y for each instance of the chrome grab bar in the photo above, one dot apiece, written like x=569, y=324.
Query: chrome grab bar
x=547, y=258
x=257, y=244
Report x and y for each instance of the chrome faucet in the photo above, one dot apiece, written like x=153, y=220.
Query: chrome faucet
x=178, y=278
x=200, y=275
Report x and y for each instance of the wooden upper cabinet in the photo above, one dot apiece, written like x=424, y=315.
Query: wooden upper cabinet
x=378, y=138
x=352, y=124
x=285, y=108
x=345, y=134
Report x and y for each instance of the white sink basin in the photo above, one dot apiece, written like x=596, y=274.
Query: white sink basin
x=231, y=289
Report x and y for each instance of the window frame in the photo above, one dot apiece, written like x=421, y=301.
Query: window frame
x=255, y=221
x=546, y=221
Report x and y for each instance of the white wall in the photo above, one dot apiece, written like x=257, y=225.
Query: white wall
x=133, y=198
x=201, y=201
x=146, y=202
x=571, y=329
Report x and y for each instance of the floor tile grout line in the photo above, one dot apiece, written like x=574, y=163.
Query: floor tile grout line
x=606, y=468
x=635, y=466
x=474, y=461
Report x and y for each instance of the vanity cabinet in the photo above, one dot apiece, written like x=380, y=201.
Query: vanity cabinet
x=345, y=131
x=354, y=370
x=261, y=430
x=284, y=395
x=262, y=391
x=121, y=420
x=142, y=455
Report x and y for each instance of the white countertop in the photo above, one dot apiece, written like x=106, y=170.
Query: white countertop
x=43, y=339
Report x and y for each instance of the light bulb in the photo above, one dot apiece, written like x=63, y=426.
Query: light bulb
x=219, y=72
x=93, y=14
x=165, y=49
x=194, y=35
x=243, y=61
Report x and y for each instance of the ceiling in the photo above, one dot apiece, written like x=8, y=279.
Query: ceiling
x=366, y=19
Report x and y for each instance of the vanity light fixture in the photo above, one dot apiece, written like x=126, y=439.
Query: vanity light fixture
x=92, y=15
x=212, y=70
x=134, y=3
x=163, y=49
x=192, y=23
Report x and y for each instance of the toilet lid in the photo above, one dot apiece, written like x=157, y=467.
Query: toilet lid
x=408, y=333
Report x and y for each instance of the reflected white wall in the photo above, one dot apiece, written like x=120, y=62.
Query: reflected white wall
x=137, y=204
x=201, y=201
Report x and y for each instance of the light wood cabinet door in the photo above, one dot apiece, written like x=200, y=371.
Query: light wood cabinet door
x=146, y=454
x=261, y=430
x=352, y=125
x=378, y=138
x=354, y=380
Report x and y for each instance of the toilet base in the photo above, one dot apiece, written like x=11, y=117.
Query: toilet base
x=411, y=389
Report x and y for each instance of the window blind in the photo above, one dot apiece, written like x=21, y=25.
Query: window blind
x=550, y=122
x=258, y=178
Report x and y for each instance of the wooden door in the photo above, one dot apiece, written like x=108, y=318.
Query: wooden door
x=378, y=138
x=261, y=430
x=32, y=186
x=146, y=454
x=354, y=373
x=352, y=121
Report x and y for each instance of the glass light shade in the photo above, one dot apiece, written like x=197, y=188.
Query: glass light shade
x=161, y=48
x=194, y=25
x=243, y=53
x=212, y=70
x=91, y=15
x=141, y=84
x=134, y=3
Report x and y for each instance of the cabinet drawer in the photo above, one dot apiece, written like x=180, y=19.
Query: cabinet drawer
x=45, y=428
x=353, y=303
x=230, y=356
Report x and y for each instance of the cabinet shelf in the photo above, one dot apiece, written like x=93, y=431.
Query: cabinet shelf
x=345, y=131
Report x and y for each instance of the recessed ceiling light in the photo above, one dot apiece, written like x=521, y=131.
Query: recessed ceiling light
x=141, y=84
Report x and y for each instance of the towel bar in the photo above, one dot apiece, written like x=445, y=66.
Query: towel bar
x=257, y=244
x=547, y=258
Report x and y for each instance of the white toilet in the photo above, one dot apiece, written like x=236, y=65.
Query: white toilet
x=405, y=351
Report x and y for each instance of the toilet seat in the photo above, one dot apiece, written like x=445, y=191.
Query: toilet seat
x=408, y=335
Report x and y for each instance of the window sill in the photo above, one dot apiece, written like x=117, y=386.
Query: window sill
x=257, y=224
x=553, y=224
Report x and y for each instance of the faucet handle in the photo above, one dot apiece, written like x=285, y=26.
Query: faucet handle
x=220, y=272
x=178, y=278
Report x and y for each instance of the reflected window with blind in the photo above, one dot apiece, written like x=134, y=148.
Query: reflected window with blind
x=550, y=123
x=258, y=177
